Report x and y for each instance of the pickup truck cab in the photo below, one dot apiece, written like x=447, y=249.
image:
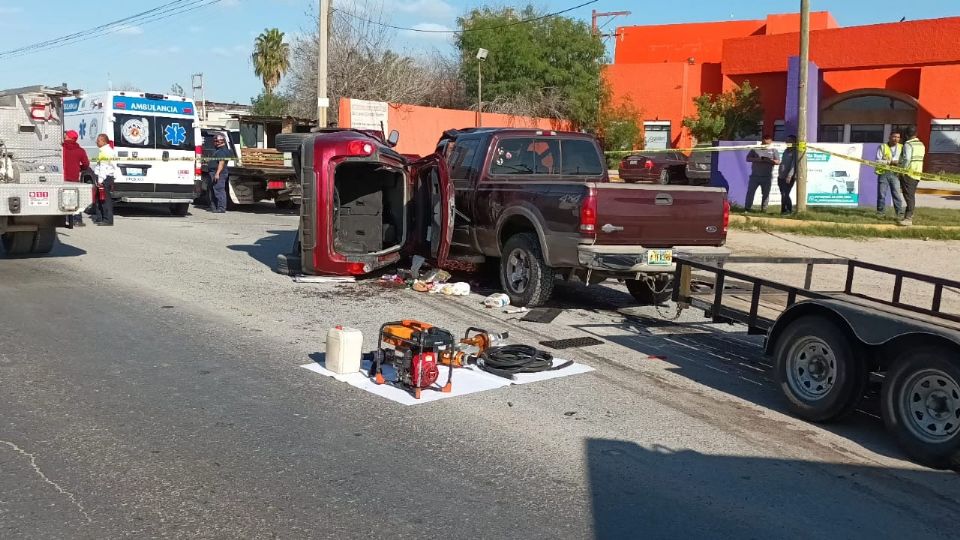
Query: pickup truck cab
x=541, y=202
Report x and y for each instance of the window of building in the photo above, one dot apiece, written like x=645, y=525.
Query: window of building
x=831, y=133
x=779, y=131
x=866, y=133
x=872, y=103
x=945, y=137
x=656, y=134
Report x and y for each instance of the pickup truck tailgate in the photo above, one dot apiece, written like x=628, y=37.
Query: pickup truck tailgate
x=659, y=216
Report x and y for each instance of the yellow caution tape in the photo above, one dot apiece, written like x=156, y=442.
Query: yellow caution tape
x=802, y=147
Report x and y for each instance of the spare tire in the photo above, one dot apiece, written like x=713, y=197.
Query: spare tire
x=291, y=142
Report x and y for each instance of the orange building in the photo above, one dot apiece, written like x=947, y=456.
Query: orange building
x=871, y=79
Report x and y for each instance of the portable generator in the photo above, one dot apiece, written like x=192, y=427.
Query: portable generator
x=417, y=349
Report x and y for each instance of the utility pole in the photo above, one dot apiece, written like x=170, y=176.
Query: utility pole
x=802, y=106
x=597, y=15
x=196, y=82
x=323, y=102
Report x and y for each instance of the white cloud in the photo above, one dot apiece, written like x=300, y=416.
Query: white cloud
x=129, y=30
x=428, y=9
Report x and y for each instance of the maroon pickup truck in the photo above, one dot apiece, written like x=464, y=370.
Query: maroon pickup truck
x=539, y=201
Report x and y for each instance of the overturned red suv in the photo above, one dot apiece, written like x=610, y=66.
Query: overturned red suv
x=365, y=206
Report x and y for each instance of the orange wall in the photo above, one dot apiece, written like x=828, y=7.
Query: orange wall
x=873, y=46
x=420, y=127
x=658, y=91
x=784, y=23
x=677, y=42
x=906, y=80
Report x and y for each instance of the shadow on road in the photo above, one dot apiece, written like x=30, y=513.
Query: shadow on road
x=659, y=492
x=266, y=249
x=725, y=358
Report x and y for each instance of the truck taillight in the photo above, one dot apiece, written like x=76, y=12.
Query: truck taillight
x=726, y=214
x=588, y=213
x=359, y=148
x=358, y=268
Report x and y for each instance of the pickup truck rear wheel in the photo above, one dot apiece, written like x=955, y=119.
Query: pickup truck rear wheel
x=45, y=239
x=651, y=292
x=524, y=273
x=819, y=369
x=920, y=403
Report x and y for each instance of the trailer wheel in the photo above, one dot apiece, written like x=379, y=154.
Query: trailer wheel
x=524, y=273
x=45, y=239
x=818, y=369
x=17, y=243
x=653, y=291
x=921, y=406
x=180, y=209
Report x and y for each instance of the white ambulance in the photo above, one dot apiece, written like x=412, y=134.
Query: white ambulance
x=156, y=138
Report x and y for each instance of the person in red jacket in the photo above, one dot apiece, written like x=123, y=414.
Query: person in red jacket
x=75, y=160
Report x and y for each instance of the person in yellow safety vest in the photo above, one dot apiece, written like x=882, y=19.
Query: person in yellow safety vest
x=911, y=159
x=887, y=180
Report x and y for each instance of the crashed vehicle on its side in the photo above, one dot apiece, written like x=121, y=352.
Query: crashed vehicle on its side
x=365, y=206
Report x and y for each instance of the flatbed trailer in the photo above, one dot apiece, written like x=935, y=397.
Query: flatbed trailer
x=828, y=347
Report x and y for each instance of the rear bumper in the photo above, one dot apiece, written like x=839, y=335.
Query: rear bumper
x=633, y=259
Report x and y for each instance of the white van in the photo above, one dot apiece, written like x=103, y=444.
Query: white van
x=157, y=140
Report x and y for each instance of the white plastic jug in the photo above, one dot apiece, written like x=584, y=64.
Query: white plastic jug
x=344, y=350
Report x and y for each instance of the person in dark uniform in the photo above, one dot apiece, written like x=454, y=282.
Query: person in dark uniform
x=218, y=175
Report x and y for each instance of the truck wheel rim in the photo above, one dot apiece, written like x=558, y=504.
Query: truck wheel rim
x=518, y=270
x=930, y=405
x=811, y=369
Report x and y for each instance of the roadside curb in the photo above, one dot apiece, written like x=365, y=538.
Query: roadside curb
x=736, y=218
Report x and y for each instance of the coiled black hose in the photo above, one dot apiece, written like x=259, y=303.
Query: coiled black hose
x=509, y=360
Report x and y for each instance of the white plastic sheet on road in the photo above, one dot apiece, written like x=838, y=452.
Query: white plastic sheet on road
x=468, y=380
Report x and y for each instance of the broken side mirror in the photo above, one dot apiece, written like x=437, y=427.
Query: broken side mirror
x=393, y=138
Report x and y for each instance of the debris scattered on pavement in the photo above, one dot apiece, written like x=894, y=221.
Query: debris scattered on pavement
x=496, y=300
x=514, y=311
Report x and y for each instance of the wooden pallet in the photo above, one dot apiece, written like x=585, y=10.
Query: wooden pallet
x=261, y=157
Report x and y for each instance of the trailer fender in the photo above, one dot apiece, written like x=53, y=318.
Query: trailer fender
x=869, y=326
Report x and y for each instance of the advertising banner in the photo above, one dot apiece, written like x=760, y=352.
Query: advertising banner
x=831, y=180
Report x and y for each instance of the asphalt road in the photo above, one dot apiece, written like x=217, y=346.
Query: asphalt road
x=149, y=387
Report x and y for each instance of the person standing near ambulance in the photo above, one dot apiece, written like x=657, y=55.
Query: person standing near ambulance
x=218, y=175
x=105, y=169
x=911, y=158
x=75, y=160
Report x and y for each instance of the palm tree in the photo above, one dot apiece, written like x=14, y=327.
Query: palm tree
x=271, y=58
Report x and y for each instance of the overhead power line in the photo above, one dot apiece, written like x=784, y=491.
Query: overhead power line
x=161, y=12
x=467, y=30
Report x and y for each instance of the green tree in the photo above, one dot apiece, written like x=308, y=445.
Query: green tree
x=727, y=116
x=269, y=104
x=271, y=58
x=550, y=66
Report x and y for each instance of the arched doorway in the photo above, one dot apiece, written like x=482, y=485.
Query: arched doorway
x=866, y=116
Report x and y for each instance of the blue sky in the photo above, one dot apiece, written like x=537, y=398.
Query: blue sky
x=217, y=40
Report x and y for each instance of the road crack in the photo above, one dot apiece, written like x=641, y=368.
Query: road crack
x=36, y=468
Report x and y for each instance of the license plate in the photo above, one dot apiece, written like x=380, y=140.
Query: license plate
x=134, y=172
x=38, y=198
x=660, y=257
x=633, y=162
